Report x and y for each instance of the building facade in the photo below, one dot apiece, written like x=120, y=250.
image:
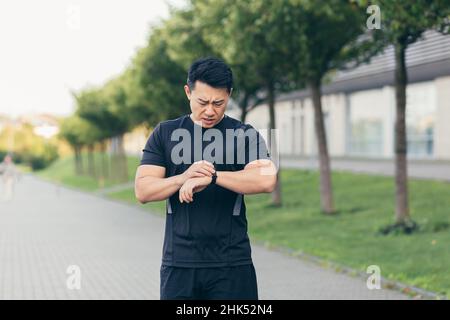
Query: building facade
x=359, y=108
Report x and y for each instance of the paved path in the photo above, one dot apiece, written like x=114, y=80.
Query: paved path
x=422, y=169
x=117, y=247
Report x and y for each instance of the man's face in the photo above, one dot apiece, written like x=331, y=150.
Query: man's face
x=208, y=104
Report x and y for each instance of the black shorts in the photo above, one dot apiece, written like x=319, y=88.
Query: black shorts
x=221, y=283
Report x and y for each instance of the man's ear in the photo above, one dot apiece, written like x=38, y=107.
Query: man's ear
x=187, y=91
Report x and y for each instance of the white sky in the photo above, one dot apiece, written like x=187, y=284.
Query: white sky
x=49, y=47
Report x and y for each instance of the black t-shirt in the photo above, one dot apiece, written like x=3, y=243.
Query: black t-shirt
x=211, y=231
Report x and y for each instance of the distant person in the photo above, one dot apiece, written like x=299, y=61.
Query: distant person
x=206, y=253
x=10, y=175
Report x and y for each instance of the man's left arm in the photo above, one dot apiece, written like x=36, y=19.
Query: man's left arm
x=258, y=176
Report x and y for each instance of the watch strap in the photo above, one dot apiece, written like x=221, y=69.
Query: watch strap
x=214, y=178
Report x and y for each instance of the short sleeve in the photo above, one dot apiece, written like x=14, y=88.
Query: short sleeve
x=256, y=148
x=153, y=153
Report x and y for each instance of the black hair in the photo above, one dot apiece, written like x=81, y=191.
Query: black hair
x=212, y=71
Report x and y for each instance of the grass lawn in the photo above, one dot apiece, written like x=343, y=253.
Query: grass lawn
x=365, y=203
x=63, y=171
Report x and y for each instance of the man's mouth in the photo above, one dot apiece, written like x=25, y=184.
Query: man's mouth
x=207, y=121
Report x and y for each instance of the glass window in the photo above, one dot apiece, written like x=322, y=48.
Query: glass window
x=366, y=118
x=420, y=119
x=366, y=137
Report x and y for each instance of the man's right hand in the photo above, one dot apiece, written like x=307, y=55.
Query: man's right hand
x=198, y=169
x=151, y=184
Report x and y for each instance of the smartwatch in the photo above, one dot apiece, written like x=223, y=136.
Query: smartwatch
x=214, y=177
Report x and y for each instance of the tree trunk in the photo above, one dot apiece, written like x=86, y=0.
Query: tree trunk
x=401, y=174
x=244, y=107
x=104, y=161
x=120, y=167
x=78, y=161
x=276, y=194
x=91, y=161
x=114, y=166
x=326, y=192
x=123, y=157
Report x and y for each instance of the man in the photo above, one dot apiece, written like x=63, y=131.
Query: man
x=10, y=175
x=202, y=164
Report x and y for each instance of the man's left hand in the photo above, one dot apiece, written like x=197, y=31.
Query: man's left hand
x=191, y=186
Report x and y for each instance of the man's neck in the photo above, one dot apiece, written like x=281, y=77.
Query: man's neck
x=192, y=118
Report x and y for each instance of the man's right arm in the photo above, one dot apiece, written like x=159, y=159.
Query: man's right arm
x=151, y=185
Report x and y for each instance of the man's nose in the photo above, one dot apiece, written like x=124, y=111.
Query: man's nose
x=209, y=110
